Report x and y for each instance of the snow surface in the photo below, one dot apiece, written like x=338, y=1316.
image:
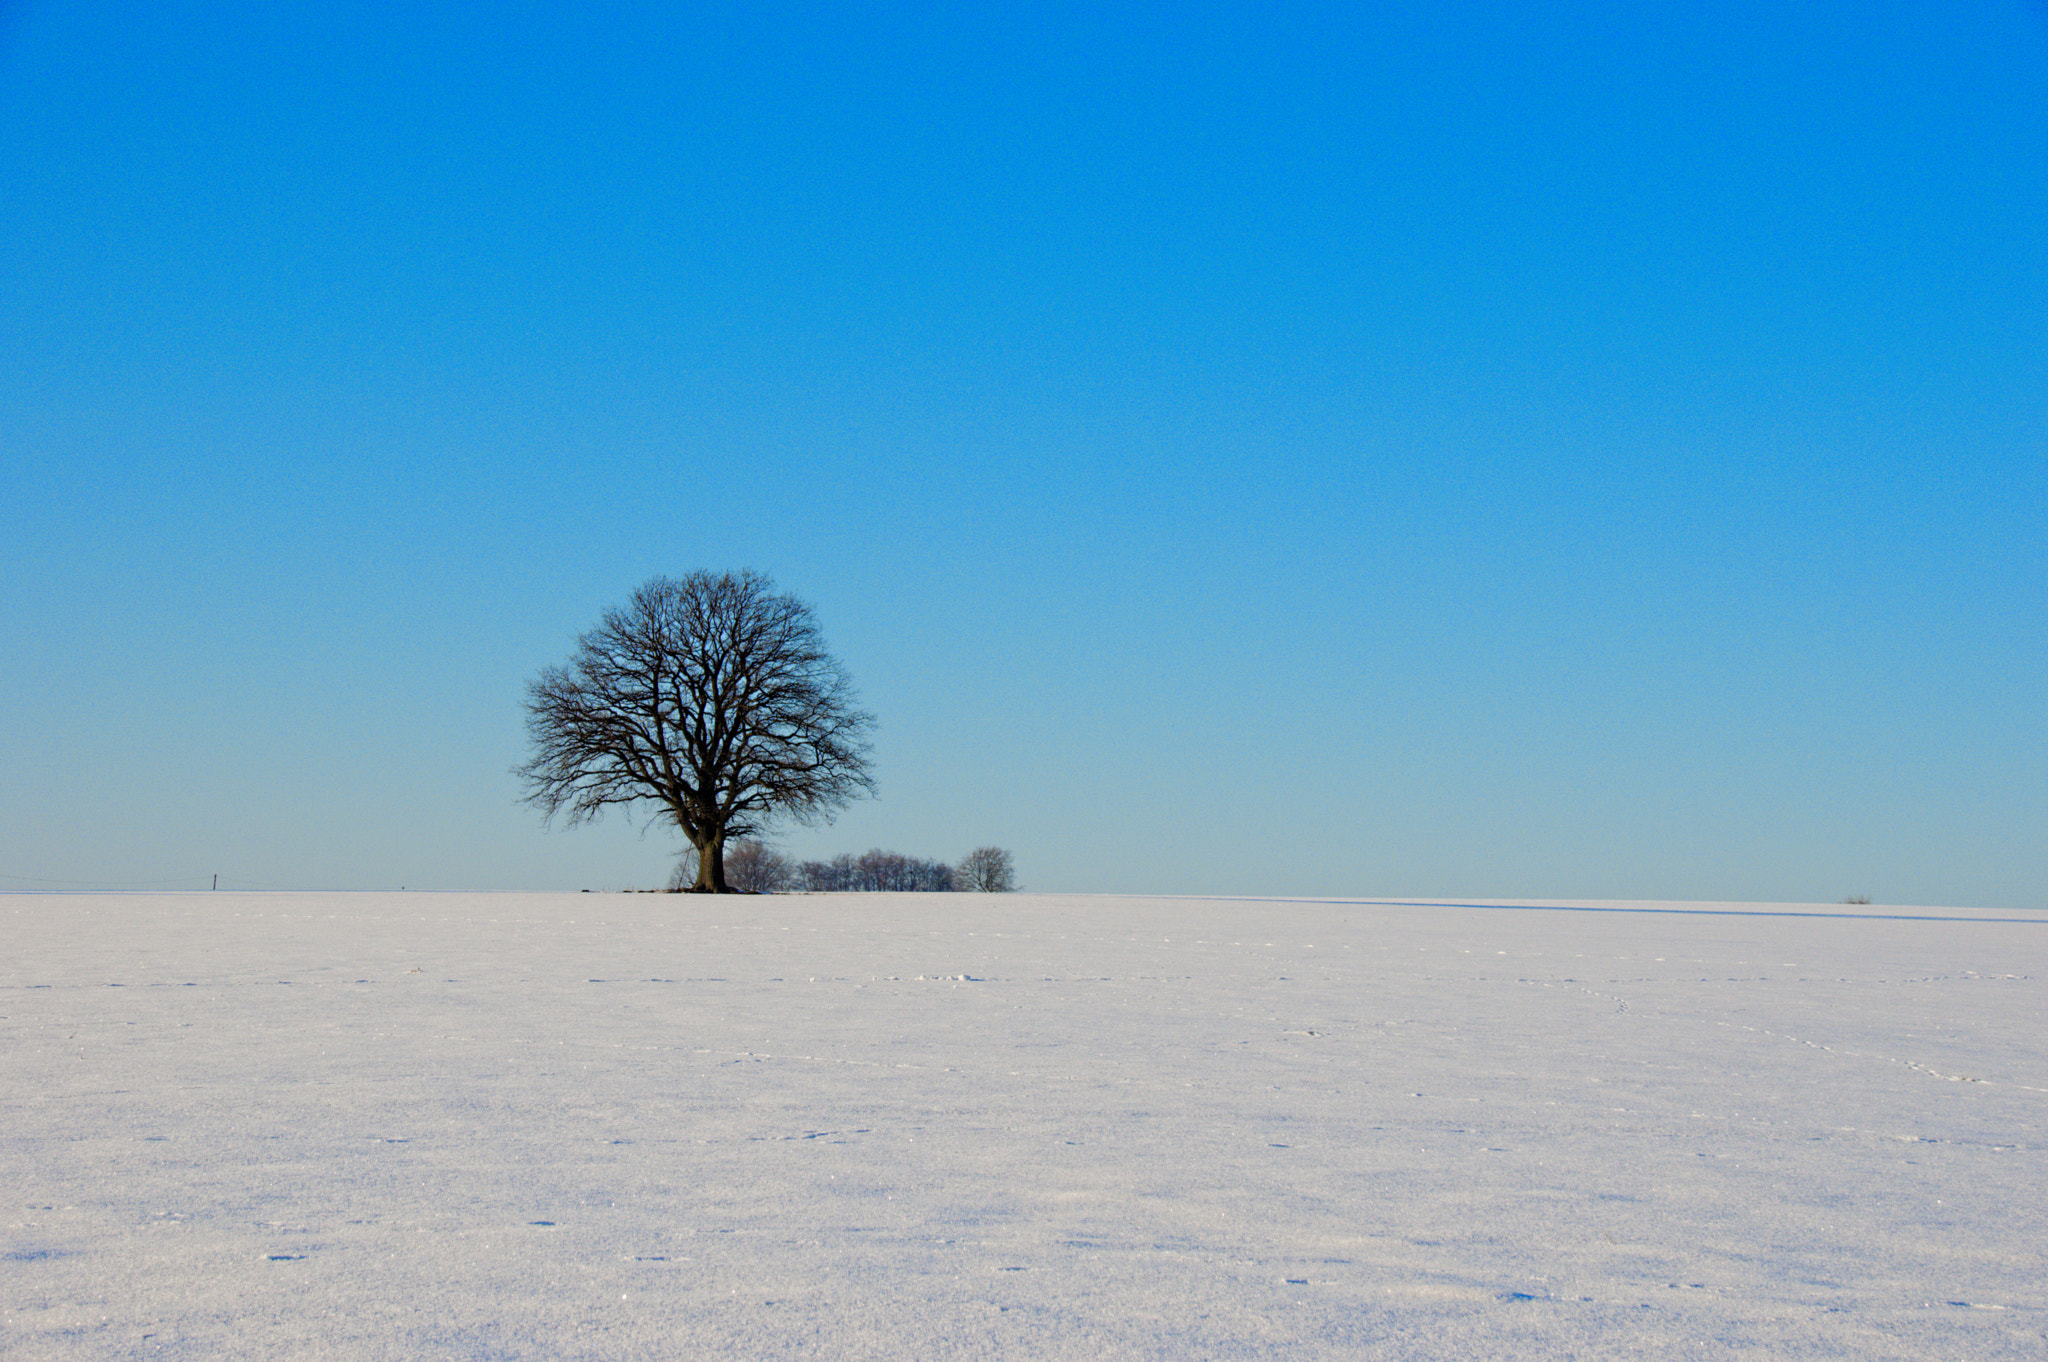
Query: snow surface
x=555, y=1126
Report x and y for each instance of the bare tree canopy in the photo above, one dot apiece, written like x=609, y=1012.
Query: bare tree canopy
x=711, y=697
x=987, y=870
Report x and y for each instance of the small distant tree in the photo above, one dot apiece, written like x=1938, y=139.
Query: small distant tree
x=752, y=868
x=876, y=871
x=986, y=870
x=712, y=699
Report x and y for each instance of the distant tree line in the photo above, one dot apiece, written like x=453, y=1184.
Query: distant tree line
x=876, y=872
x=754, y=868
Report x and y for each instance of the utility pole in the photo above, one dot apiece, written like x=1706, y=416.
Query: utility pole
x=216, y=881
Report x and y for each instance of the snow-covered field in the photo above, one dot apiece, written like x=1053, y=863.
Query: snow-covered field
x=558, y=1126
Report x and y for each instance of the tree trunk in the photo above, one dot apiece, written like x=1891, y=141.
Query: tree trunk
x=711, y=865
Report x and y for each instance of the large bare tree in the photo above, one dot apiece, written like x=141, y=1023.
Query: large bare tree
x=710, y=697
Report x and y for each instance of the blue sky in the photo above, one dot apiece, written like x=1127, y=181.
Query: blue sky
x=1451, y=449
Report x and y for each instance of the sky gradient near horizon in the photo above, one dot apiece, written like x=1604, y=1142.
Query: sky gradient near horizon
x=1465, y=449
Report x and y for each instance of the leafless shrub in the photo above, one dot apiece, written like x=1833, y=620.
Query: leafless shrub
x=1857, y=898
x=753, y=868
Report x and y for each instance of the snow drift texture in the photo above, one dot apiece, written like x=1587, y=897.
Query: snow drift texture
x=606, y=1126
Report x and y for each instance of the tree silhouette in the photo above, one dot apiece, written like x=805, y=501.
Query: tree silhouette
x=710, y=697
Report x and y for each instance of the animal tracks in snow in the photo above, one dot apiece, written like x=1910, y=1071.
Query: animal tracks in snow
x=1621, y=1006
x=1913, y=1065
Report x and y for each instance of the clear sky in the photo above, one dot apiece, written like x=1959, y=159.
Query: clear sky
x=1512, y=449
